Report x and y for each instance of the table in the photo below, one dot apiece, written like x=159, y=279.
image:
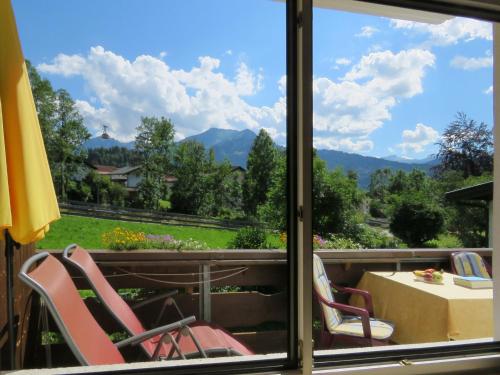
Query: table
x=425, y=312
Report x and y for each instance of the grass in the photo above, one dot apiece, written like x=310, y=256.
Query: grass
x=87, y=232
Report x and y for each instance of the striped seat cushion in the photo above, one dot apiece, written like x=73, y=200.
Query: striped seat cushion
x=470, y=264
x=352, y=326
x=333, y=317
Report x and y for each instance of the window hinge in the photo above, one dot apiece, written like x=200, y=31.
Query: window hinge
x=300, y=19
x=300, y=213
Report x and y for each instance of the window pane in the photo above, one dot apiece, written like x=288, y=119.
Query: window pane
x=403, y=119
x=165, y=129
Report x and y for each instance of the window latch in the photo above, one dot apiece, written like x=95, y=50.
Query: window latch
x=300, y=213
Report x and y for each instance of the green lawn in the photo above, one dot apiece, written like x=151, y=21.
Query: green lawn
x=87, y=233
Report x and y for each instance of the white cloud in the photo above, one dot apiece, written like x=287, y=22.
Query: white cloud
x=449, y=32
x=343, y=61
x=194, y=99
x=229, y=52
x=163, y=54
x=346, y=111
x=362, y=100
x=343, y=144
x=471, y=63
x=416, y=140
x=488, y=91
x=367, y=32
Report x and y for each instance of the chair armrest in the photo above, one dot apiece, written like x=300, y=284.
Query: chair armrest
x=155, y=298
x=134, y=340
x=367, y=298
x=362, y=313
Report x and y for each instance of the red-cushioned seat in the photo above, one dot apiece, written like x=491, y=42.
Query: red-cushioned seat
x=212, y=339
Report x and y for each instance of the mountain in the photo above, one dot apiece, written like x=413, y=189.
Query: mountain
x=364, y=166
x=100, y=142
x=429, y=159
x=233, y=145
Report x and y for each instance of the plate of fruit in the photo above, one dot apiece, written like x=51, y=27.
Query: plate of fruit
x=430, y=276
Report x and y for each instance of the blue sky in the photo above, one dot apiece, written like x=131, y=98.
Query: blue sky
x=381, y=86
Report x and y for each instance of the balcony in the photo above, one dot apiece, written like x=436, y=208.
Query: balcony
x=243, y=291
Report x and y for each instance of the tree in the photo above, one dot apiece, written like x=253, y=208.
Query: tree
x=155, y=143
x=416, y=221
x=46, y=105
x=222, y=196
x=466, y=146
x=190, y=169
x=68, y=137
x=260, y=165
x=336, y=199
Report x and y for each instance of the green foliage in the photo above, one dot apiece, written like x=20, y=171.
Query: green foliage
x=336, y=200
x=116, y=156
x=469, y=221
x=445, y=241
x=372, y=238
x=260, y=166
x=341, y=243
x=249, y=238
x=154, y=143
x=190, y=167
x=273, y=211
x=415, y=221
x=466, y=147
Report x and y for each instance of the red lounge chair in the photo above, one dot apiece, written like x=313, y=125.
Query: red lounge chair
x=86, y=339
x=206, y=339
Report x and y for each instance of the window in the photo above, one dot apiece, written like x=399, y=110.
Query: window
x=265, y=31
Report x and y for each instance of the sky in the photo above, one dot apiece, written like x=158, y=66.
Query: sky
x=381, y=86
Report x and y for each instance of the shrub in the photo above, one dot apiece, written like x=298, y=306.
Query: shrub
x=445, y=241
x=249, y=238
x=416, y=222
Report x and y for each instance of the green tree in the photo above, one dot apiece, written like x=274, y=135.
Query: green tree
x=46, y=105
x=154, y=143
x=466, y=146
x=416, y=221
x=336, y=199
x=222, y=196
x=260, y=165
x=68, y=137
x=190, y=166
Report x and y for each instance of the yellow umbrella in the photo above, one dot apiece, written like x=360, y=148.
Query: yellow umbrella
x=27, y=199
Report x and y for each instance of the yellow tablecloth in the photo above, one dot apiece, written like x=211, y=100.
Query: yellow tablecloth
x=425, y=312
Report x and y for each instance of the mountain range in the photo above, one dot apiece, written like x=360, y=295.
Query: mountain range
x=235, y=145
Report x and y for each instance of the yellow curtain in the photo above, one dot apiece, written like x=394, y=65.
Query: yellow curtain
x=27, y=199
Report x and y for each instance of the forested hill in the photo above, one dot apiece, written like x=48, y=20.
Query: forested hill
x=235, y=145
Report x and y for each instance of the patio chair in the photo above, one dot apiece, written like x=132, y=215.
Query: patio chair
x=206, y=339
x=86, y=339
x=359, y=327
x=465, y=263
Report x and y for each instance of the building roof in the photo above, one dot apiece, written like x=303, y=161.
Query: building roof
x=477, y=192
x=104, y=168
x=126, y=170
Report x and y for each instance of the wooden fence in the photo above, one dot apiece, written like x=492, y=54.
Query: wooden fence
x=149, y=216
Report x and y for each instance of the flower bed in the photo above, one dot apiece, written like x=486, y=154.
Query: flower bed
x=123, y=239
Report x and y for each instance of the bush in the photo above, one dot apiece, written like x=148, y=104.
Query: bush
x=445, y=241
x=416, y=222
x=371, y=238
x=377, y=209
x=249, y=238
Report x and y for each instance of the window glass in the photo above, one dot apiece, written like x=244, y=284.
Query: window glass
x=165, y=129
x=402, y=177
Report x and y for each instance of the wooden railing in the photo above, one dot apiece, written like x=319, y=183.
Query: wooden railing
x=244, y=291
